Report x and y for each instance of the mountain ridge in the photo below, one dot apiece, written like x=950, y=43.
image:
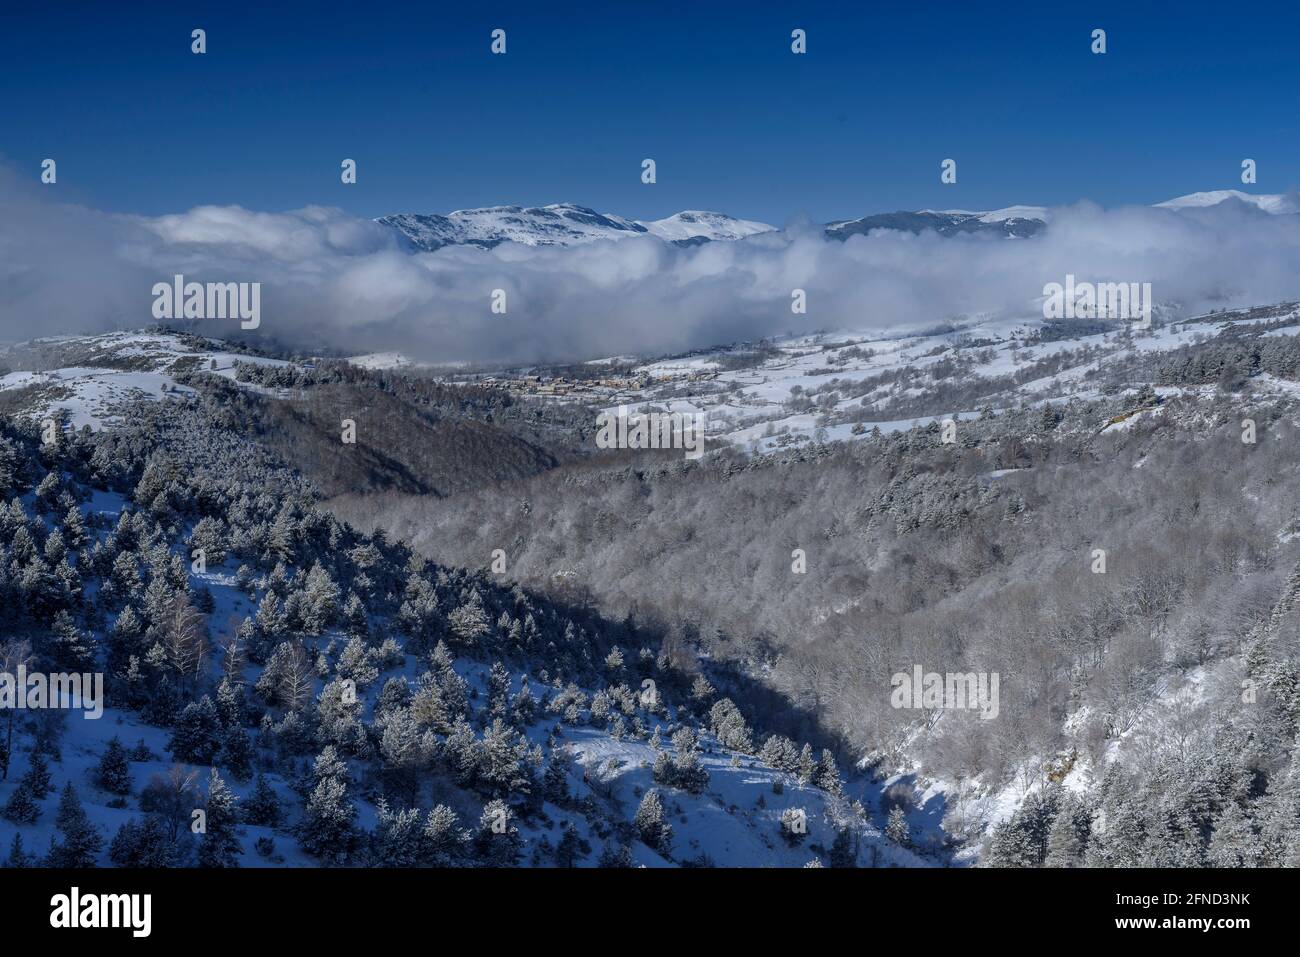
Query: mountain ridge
x=570, y=224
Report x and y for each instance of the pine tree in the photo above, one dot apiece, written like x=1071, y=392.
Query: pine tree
x=236, y=754
x=844, y=849
x=327, y=829
x=262, y=807
x=37, y=778
x=397, y=840
x=651, y=824
x=827, y=776
x=616, y=857
x=17, y=856
x=321, y=597
x=114, y=771
x=807, y=766
x=569, y=849
x=82, y=841
x=124, y=640
x=20, y=808
x=896, y=828
x=220, y=846
x=196, y=739
x=728, y=726
x=443, y=839
x=139, y=844
x=498, y=842
x=470, y=622
x=1068, y=838
x=71, y=649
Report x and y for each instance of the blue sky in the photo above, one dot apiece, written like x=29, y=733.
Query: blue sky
x=711, y=91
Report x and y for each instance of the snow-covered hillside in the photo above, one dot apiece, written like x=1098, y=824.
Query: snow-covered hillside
x=89, y=379
x=499, y=708
x=841, y=386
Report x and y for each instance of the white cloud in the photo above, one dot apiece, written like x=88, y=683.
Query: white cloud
x=333, y=279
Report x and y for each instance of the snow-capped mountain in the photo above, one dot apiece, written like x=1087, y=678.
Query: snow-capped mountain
x=560, y=224
x=567, y=224
x=698, y=225
x=1007, y=223
x=1276, y=203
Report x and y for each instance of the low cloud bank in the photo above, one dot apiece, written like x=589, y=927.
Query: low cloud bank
x=332, y=279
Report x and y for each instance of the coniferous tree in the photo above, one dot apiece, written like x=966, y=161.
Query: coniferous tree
x=652, y=825
x=220, y=846
x=37, y=778
x=498, y=842
x=262, y=806
x=327, y=829
x=1068, y=837
x=568, y=851
x=196, y=738
x=114, y=771
x=398, y=840
x=1235, y=841
x=81, y=841
x=20, y=808
x=17, y=856
x=443, y=839
x=142, y=843
x=896, y=828
x=616, y=857
x=71, y=649
x=844, y=849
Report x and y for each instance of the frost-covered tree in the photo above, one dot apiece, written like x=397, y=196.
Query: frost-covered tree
x=443, y=838
x=729, y=726
x=196, y=739
x=220, y=845
x=652, y=825
x=327, y=827
x=896, y=828
x=397, y=840
x=498, y=842
x=71, y=649
x=470, y=622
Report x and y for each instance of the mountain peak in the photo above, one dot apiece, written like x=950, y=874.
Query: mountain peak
x=1276, y=203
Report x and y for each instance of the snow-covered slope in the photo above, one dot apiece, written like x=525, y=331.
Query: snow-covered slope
x=698, y=224
x=86, y=378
